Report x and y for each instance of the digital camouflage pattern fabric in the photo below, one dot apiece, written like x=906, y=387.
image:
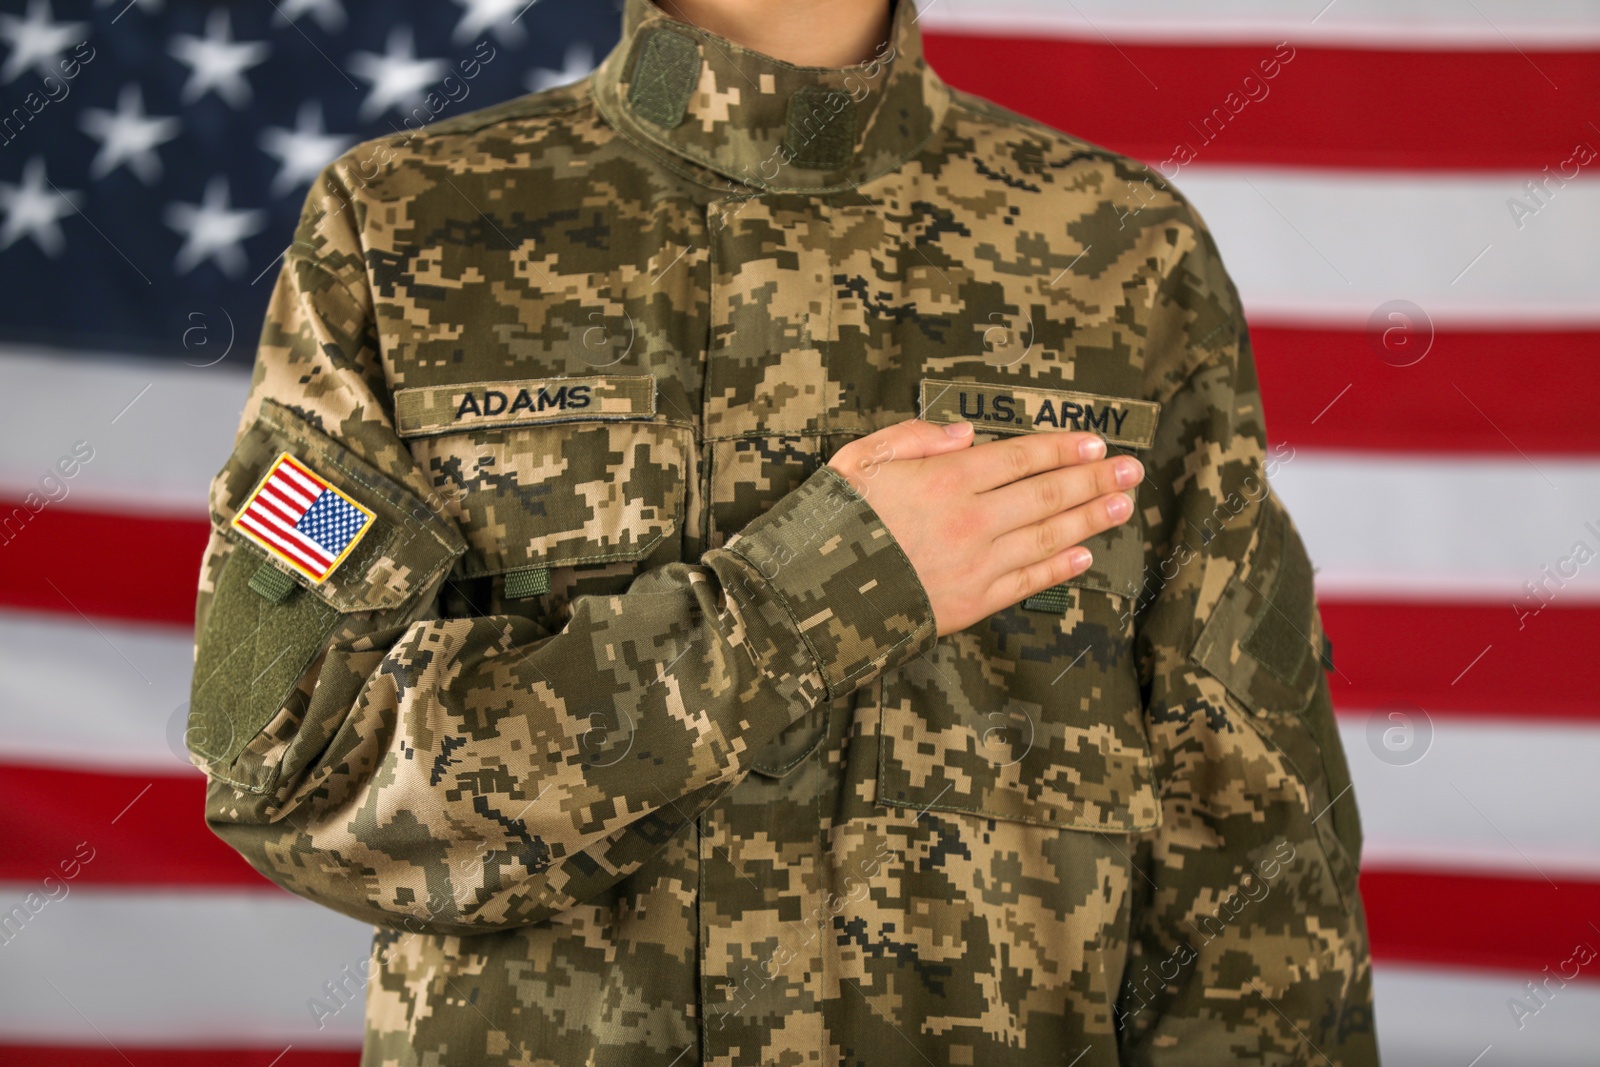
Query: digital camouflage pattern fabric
x=626, y=721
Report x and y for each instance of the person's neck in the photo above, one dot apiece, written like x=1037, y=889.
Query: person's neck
x=807, y=33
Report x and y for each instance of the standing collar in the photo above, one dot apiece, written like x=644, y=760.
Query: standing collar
x=761, y=121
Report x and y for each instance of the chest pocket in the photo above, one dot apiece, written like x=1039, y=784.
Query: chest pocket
x=1033, y=716
x=549, y=474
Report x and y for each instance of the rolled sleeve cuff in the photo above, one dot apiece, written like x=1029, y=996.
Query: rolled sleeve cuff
x=848, y=587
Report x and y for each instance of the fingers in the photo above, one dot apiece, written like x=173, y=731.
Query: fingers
x=859, y=460
x=998, y=463
x=916, y=439
x=1021, y=584
x=1049, y=539
x=1030, y=500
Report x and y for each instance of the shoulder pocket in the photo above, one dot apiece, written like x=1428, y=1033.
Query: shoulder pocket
x=551, y=473
x=1033, y=716
x=1264, y=638
x=272, y=607
x=1265, y=643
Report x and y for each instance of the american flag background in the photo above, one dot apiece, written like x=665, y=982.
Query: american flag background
x=1407, y=193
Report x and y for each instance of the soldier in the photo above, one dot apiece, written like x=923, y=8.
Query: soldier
x=647, y=585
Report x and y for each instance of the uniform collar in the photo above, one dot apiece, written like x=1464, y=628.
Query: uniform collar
x=763, y=122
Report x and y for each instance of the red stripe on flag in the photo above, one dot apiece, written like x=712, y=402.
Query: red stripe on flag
x=283, y=542
x=137, y=829
x=296, y=466
x=58, y=562
x=159, y=839
x=285, y=529
x=1527, y=672
x=142, y=1056
x=1523, y=925
x=286, y=510
x=293, y=497
x=1470, y=393
x=267, y=511
x=1327, y=107
x=1462, y=659
x=272, y=498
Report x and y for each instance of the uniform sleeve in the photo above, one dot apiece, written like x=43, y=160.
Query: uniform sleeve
x=1248, y=938
x=443, y=774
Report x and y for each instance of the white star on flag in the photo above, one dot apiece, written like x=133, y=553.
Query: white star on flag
x=578, y=63
x=398, y=77
x=36, y=41
x=31, y=210
x=217, y=62
x=212, y=230
x=128, y=136
x=329, y=14
x=302, y=151
x=498, y=15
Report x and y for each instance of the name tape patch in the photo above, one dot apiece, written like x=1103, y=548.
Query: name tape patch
x=1020, y=409
x=296, y=516
x=446, y=408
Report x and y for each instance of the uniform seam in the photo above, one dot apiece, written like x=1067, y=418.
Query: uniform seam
x=1075, y=146
x=826, y=347
x=582, y=97
x=777, y=594
x=1224, y=359
x=362, y=299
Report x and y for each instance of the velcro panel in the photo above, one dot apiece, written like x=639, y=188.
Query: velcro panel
x=664, y=76
x=822, y=127
x=252, y=654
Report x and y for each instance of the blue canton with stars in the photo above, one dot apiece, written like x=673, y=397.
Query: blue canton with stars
x=155, y=154
x=332, y=522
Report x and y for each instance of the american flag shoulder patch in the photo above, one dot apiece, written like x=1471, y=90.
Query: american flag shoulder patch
x=297, y=517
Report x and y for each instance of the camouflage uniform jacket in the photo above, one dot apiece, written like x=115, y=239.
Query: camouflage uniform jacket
x=624, y=718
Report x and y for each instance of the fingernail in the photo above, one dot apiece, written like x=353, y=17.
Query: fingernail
x=1091, y=449
x=1119, y=506
x=1080, y=558
x=958, y=429
x=1129, y=471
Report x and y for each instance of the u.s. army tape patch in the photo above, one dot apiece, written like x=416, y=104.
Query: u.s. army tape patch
x=299, y=518
x=1021, y=409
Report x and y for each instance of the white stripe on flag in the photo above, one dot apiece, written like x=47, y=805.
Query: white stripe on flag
x=284, y=525
x=1331, y=247
x=149, y=968
x=1407, y=527
x=293, y=501
x=1305, y=246
x=1513, y=798
x=310, y=562
x=144, y=969
x=1431, y=1017
x=305, y=484
x=1491, y=25
x=159, y=430
x=113, y=697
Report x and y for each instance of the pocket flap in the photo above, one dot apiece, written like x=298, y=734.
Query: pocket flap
x=1264, y=638
x=1029, y=716
x=599, y=480
x=357, y=538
